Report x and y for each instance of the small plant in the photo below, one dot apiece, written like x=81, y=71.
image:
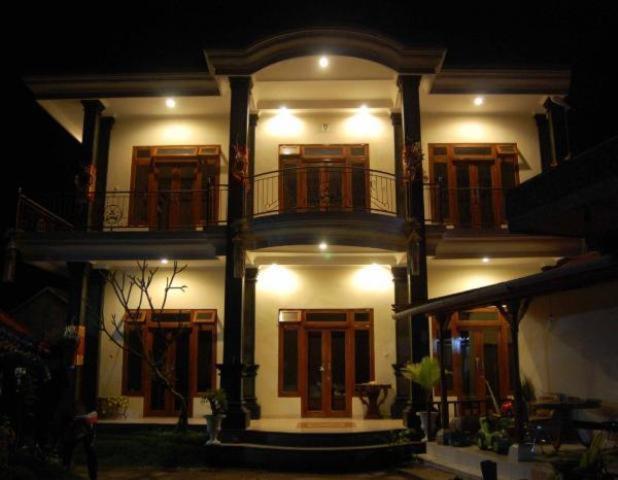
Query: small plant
x=217, y=399
x=425, y=373
x=113, y=407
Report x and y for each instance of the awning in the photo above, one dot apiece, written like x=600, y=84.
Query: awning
x=566, y=277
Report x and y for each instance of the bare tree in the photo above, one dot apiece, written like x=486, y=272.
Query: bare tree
x=133, y=291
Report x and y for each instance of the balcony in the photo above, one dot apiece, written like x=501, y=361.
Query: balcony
x=163, y=210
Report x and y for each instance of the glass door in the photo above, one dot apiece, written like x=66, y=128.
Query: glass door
x=327, y=391
x=474, y=194
x=171, y=350
x=174, y=195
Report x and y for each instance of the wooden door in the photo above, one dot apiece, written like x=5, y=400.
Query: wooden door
x=325, y=185
x=172, y=356
x=326, y=380
x=474, y=193
x=174, y=194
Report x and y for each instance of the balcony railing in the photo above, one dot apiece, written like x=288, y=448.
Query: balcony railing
x=295, y=190
x=322, y=189
x=177, y=210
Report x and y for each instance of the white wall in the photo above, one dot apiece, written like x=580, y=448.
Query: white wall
x=307, y=287
x=205, y=289
x=294, y=128
x=496, y=128
x=568, y=343
x=132, y=132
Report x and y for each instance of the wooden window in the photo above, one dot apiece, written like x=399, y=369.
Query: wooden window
x=355, y=329
x=477, y=349
x=174, y=187
x=192, y=355
x=324, y=177
x=469, y=183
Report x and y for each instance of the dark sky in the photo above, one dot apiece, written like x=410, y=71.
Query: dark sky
x=103, y=36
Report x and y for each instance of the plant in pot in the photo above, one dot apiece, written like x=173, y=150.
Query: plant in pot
x=217, y=404
x=425, y=373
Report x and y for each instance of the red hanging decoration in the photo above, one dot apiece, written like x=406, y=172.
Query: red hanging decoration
x=412, y=161
x=240, y=164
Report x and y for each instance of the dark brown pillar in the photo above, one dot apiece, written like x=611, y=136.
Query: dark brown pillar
x=443, y=322
x=514, y=311
x=248, y=343
x=411, y=116
x=76, y=310
x=542, y=128
x=558, y=131
x=398, y=145
x=253, y=121
x=87, y=174
x=102, y=161
x=403, y=343
x=237, y=417
x=90, y=370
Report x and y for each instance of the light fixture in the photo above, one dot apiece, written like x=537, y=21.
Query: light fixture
x=323, y=62
x=323, y=246
x=485, y=259
x=478, y=101
x=164, y=261
x=363, y=108
x=170, y=102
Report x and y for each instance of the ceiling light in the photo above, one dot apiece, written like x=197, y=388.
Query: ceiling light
x=323, y=62
x=478, y=101
x=485, y=259
x=170, y=102
x=363, y=108
x=323, y=246
x=164, y=261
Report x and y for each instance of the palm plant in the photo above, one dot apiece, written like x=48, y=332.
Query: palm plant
x=425, y=373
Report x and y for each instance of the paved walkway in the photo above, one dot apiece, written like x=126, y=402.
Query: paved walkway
x=410, y=473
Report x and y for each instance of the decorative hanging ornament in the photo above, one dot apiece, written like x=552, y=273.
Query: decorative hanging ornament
x=412, y=161
x=240, y=165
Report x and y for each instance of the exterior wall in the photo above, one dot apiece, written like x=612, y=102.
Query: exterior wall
x=307, y=287
x=568, y=343
x=205, y=289
x=274, y=129
x=467, y=128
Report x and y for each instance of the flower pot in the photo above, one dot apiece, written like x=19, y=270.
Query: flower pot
x=213, y=424
x=432, y=416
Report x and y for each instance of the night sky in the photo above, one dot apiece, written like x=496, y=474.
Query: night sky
x=110, y=36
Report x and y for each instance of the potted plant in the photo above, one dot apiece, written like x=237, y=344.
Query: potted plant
x=217, y=403
x=426, y=373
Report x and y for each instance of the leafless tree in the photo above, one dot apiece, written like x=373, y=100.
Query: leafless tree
x=133, y=291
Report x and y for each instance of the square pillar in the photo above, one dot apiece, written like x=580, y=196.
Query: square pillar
x=248, y=343
x=558, y=131
x=417, y=259
x=403, y=343
x=237, y=416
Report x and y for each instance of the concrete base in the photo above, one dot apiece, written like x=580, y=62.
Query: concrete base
x=521, y=453
x=466, y=462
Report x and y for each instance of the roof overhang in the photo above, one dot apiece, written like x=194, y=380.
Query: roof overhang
x=353, y=43
x=497, y=81
x=566, y=277
x=123, y=85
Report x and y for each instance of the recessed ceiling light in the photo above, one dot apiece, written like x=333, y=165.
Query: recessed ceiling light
x=485, y=259
x=323, y=62
x=170, y=102
x=164, y=261
x=323, y=246
x=363, y=108
x=283, y=109
x=478, y=101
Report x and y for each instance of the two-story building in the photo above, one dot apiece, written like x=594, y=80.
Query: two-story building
x=309, y=182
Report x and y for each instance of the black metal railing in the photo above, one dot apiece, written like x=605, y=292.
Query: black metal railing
x=124, y=211
x=321, y=189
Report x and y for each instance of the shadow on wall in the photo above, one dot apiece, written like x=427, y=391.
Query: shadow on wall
x=568, y=343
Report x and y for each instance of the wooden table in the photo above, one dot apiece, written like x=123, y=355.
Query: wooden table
x=563, y=417
x=369, y=394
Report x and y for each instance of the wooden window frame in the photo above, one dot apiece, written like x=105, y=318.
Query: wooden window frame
x=302, y=325
x=146, y=324
x=500, y=153
x=303, y=160
x=455, y=325
x=199, y=153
